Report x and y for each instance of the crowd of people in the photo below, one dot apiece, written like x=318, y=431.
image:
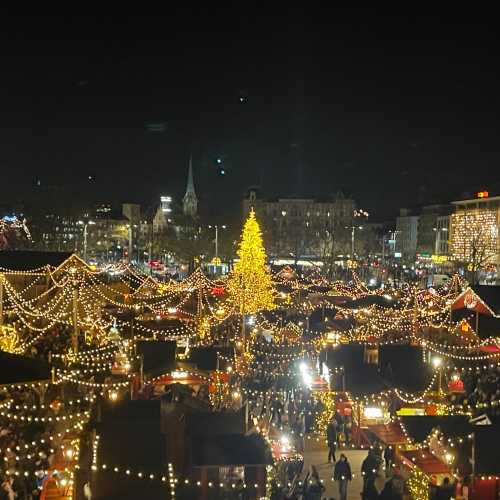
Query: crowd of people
x=482, y=388
x=26, y=452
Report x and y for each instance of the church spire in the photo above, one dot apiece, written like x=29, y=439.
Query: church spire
x=190, y=201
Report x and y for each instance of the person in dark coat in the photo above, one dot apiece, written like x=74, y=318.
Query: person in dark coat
x=369, y=468
x=342, y=474
x=331, y=437
x=388, y=457
x=340, y=421
x=394, y=488
x=446, y=490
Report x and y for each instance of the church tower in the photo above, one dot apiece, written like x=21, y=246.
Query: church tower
x=190, y=201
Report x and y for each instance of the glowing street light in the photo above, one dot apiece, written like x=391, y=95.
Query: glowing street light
x=436, y=362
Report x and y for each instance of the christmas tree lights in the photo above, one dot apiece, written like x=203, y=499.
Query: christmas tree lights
x=250, y=284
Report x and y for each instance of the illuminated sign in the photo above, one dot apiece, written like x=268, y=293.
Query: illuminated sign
x=483, y=194
x=403, y=412
x=424, y=255
x=373, y=412
x=439, y=259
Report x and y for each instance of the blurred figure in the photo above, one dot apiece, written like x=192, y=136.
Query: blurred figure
x=342, y=474
x=331, y=438
x=313, y=487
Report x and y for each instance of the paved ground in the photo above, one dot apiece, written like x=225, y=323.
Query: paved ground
x=316, y=453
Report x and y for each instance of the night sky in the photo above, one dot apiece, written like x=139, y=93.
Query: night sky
x=392, y=110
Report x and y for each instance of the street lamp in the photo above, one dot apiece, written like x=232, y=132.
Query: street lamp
x=216, y=227
x=437, y=363
x=85, y=224
x=353, y=227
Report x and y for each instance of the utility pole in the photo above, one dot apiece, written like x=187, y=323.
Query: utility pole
x=85, y=242
x=216, y=227
x=76, y=332
x=85, y=227
x=415, y=312
x=216, y=243
x=130, y=247
x=382, y=266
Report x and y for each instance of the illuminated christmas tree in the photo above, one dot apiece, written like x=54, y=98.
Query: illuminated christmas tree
x=250, y=285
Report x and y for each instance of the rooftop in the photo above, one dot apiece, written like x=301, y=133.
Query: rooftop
x=25, y=260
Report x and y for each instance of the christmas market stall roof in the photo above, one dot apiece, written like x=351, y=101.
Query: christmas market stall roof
x=490, y=295
x=488, y=326
x=361, y=377
x=419, y=427
x=205, y=357
x=130, y=438
x=425, y=461
x=483, y=299
x=399, y=366
x=403, y=367
x=486, y=449
x=21, y=369
x=230, y=449
x=158, y=357
x=26, y=260
x=389, y=434
x=369, y=300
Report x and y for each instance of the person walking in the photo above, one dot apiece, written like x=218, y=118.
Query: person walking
x=298, y=432
x=389, y=458
x=313, y=486
x=348, y=429
x=446, y=490
x=369, y=468
x=342, y=474
x=394, y=488
x=331, y=438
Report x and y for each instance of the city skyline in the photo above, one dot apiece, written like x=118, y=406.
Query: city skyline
x=305, y=106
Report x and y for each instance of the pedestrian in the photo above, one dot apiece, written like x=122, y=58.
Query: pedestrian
x=340, y=421
x=388, y=457
x=313, y=486
x=298, y=433
x=342, y=474
x=348, y=429
x=331, y=438
x=446, y=490
x=394, y=488
x=369, y=468
x=370, y=491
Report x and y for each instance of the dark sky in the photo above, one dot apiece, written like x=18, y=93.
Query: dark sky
x=392, y=109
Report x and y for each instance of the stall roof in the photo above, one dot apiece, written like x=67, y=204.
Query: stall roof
x=486, y=449
x=489, y=326
x=360, y=377
x=419, y=427
x=425, y=461
x=491, y=295
x=26, y=260
x=388, y=434
x=130, y=438
x=400, y=366
x=21, y=369
x=230, y=449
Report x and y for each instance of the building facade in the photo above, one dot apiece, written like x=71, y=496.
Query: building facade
x=474, y=229
x=302, y=227
x=428, y=231
x=442, y=247
x=162, y=217
x=406, y=234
